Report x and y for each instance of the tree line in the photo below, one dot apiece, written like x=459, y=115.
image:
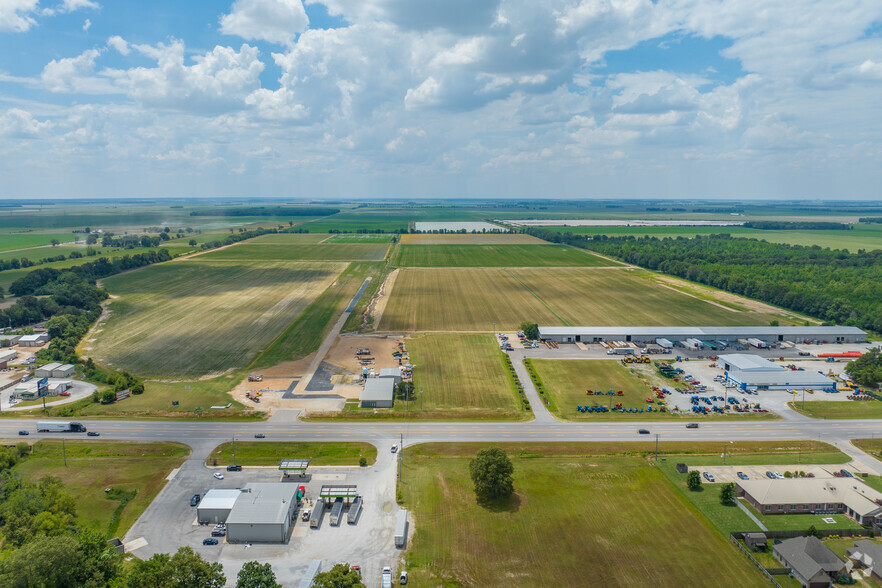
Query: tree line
x=797, y=226
x=833, y=285
x=264, y=211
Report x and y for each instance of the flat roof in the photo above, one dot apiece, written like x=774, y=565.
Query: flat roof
x=392, y=371
x=263, y=503
x=699, y=332
x=34, y=337
x=294, y=464
x=67, y=366
x=50, y=366
x=344, y=490
x=220, y=498
x=377, y=389
x=745, y=362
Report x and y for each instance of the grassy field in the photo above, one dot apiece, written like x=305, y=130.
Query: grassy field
x=191, y=318
x=495, y=256
x=269, y=453
x=567, y=525
x=470, y=239
x=361, y=238
x=451, y=299
x=305, y=334
x=839, y=409
x=93, y=466
x=861, y=237
x=872, y=446
x=462, y=377
x=22, y=240
x=248, y=252
x=566, y=381
x=289, y=239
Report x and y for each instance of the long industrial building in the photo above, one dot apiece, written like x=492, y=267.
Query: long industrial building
x=727, y=334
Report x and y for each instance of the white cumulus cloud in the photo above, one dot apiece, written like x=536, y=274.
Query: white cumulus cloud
x=16, y=16
x=276, y=21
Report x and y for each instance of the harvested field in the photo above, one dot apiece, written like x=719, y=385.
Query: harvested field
x=568, y=521
x=197, y=317
x=495, y=256
x=469, y=299
x=289, y=239
x=471, y=239
x=279, y=252
x=361, y=238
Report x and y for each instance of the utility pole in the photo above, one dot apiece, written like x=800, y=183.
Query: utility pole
x=656, y=449
x=234, y=451
x=63, y=452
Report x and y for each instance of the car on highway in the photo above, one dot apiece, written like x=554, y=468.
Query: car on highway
x=194, y=500
x=778, y=475
x=219, y=475
x=93, y=434
x=234, y=468
x=691, y=425
x=643, y=431
x=708, y=476
x=742, y=476
x=259, y=436
x=770, y=475
x=209, y=541
x=24, y=433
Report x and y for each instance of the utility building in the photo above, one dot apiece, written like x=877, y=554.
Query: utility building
x=63, y=371
x=45, y=371
x=726, y=334
x=216, y=505
x=378, y=393
x=262, y=513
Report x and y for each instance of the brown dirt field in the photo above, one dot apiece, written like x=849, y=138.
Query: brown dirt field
x=469, y=239
x=342, y=353
x=378, y=304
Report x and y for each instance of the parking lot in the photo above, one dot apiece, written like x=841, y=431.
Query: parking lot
x=724, y=474
x=170, y=522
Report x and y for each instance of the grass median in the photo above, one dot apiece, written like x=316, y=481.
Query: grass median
x=269, y=453
x=839, y=409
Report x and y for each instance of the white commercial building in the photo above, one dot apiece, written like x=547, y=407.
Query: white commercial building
x=7, y=355
x=751, y=372
x=378, y=393
x=703, y=334
x=45, y=371
x=216, y=505
x=33, y=340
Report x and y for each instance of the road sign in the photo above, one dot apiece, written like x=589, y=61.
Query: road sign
x=123, y=394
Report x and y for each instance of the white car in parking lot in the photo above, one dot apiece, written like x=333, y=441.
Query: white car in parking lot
x=219, y=475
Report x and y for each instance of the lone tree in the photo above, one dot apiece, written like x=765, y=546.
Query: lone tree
x=340, y=576
x=531, y=330
x=257, y=575
x=693, y=480
x=491, y=472
x=727, y=493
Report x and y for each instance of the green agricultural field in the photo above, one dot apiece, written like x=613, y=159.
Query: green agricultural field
x=575, y=515
x=567, y=381
x=289, y=239
x=452, y=299
x=42, y=252
x=495, y=256
x=93, y=466
x=361, y=238
x=470, y=239
x=248, y=252
x=461, y=377
x=197, y=317
x=861, y=237
x=24, y=240
x=269, y=453
x=839, y=409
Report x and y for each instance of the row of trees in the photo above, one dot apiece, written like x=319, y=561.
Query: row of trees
x=867, y=369
x=267, y=211
x=24, y=262
x=798, y=226
x=833, y=285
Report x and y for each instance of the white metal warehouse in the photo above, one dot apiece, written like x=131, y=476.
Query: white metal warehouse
x=650, y=334
x=378, y=393
x=751, y=372
x=216, y=505
x=262, y=513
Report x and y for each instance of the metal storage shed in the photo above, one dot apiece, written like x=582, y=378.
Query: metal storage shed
x=378, y=393
x=46, y=370
x=216, y=505
x=63, y=371
x=262, y=513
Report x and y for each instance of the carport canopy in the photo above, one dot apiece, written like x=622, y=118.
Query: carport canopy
x=347, y=492
x=294, y=465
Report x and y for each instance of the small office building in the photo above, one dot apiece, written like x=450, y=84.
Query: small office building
x=751, y=372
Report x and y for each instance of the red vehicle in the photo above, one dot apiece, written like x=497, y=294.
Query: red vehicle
x=357, y=570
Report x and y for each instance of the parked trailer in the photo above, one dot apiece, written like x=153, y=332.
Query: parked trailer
x=664, y=343
x=315, y=519
x=401, y=528
x=758, y=343
x=315, y=567
x=60, y=427
x=336, y=511
x=354, y=511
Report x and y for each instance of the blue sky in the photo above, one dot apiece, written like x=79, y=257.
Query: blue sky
x=458, y=98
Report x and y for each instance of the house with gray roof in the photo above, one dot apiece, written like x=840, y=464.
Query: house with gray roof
x=867, y=554
x=811, y=562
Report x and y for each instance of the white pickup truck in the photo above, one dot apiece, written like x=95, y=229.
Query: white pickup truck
x=387, y=577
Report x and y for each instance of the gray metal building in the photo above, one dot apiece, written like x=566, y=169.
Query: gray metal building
x=378, y=393
x=45, y=371
x=63, y=371
x=262, y=513
x=751, y=372
x=650, y=334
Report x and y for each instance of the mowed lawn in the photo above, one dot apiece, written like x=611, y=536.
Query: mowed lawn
x=470, y=239
x=472, y=299
x=270, y=453
x=839, y=409
x=194, y=317
x=495, y=256
x=93, y=466
x=297, y=252
x=577, y=520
